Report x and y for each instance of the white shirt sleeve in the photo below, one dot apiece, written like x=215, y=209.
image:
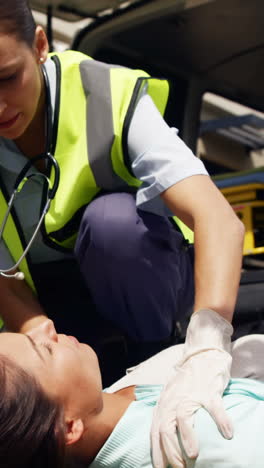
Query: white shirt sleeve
x=247, y=353
x=156, y=370
x=158, y=157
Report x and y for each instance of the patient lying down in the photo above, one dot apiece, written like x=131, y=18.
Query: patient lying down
x=53, y=408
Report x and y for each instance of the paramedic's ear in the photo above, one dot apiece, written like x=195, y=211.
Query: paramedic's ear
x=74, y=431
x=41, y=45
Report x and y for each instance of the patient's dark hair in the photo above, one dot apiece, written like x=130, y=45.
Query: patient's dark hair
x=16, y=18
x=31, y=424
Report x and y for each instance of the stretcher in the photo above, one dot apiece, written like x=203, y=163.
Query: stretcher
x=245, y=192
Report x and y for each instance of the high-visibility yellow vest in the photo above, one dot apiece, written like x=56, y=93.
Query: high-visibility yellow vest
x=94, y=105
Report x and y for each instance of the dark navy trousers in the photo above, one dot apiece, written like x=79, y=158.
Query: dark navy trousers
x=136, y=266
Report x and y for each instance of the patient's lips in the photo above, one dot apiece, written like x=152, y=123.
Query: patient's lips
x=74, y=340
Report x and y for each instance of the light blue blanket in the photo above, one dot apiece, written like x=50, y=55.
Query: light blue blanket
x=129, y=444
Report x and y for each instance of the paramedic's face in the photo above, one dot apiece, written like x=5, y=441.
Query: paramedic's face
x=67, y=370
x=20, y=86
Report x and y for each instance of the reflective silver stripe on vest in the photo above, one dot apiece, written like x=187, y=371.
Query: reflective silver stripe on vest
x=100, y=134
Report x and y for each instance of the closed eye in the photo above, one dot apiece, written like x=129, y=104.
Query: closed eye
x=48, y=347
x=8, y=78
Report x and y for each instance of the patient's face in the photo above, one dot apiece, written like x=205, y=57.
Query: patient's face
x=66, y=369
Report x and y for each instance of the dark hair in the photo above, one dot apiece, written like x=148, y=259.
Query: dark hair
x=31, y=424
x=16, y=18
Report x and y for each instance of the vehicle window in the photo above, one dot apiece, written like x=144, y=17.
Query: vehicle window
x=231, y=135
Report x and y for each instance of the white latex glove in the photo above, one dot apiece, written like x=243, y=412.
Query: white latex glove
x=199, y=381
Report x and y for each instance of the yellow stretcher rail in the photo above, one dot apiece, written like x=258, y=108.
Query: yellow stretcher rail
x=244, y=193
x=248, y=202
x=252, y=215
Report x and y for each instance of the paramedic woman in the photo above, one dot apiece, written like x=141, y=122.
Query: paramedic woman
x=133, y=262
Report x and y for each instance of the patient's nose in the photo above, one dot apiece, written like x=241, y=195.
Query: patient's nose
x=45, y=330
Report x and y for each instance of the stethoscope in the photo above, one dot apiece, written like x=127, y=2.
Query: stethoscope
x=22, y=178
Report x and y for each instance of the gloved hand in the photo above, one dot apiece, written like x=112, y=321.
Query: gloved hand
x=199, y=380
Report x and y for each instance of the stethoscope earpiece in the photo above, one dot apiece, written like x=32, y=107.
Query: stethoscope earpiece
x=18, y=276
